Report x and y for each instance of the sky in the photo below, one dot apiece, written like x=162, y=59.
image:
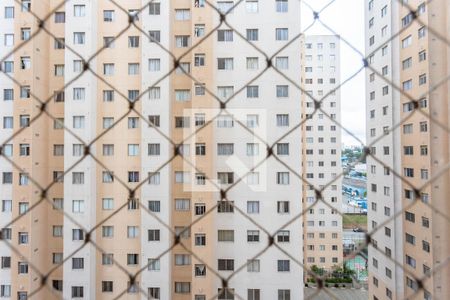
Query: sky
x=346, y=18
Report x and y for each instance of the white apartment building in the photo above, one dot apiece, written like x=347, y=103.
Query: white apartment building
x=322, y=152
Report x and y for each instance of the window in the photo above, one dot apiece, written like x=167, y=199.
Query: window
x=77, y=235
x=23, y=268
x=384, y=11
x=281, y=34
x=225, y=7
x=6, y=205
x=225, y=177
x=253, y=265
x=108, y=69
x=225, y=235
x=154, y=121
x=25, y=62
x=283, y=178
x=182, y=204
x=411, y=283
x=6, y=262
x=199, y=30
x=406, y=42
x=200, y=270
x=9, y=12
x=25, y=34
x=154, y=64
x=182, y=95
x=410, y=261
x=154, y=93
x=7, y=178
x=77, y=292
x=60, y=17
x=154, y=178
x=132, y=259
x=199, y=60
x=225, y=149
x=200, y=239
x=252, y=149
x=133, y=176
x=79, y=38
x=23, y=238
x=225, y=121
x=282, y=91
x=200, y=209
x=133, y=149
x=182, y=41
x=133, y=69
x=426, y=246
x=252, y=235
x=422, y=79
x=79, y=10
x=8, y=67
x=282, y=148
x=251, y=6
x=8, y=122
x=154, y=205
x=77, y=263
x=8, y=94
x=5, y=291
x=422, y=55
x=225, y=264
x=154, y=9
x=107, y=286
x=225, y=63
x=24, y=149
x=281, y=6
x=182, y=14
x=78, y=206
x=282, y=62
x=182, y=259
x=155, y=36
x=154, y=235
x=225, y=35
x=283, y=265
x=182, y=287
x=252, y=63
x=252, y=34
x=225, y=207
x=108, y=15
x=199, y=91
x=253, y=207
x=422, y=32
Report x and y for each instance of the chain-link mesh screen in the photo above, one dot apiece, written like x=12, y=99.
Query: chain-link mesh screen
x=43, y=109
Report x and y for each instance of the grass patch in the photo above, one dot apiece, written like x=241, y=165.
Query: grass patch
x=352, y=220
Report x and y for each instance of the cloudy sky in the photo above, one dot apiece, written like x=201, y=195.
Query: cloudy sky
x=346, y=18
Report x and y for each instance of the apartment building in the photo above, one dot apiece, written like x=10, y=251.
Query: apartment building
x=322, y=229
x=408, y=247
x=123, y=202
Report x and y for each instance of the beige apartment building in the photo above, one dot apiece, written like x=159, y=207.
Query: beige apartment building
x=409, y=252
x=123, y=202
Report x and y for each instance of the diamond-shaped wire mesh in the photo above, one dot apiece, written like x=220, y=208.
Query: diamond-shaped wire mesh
x=43, y=109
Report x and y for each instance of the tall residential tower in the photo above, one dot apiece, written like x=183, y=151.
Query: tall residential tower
x=322, y=152
x=407, y=86
x=220, y=210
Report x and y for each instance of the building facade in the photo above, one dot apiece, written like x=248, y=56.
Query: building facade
x=125, y=202
x=322, y=229
x=407, y=61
